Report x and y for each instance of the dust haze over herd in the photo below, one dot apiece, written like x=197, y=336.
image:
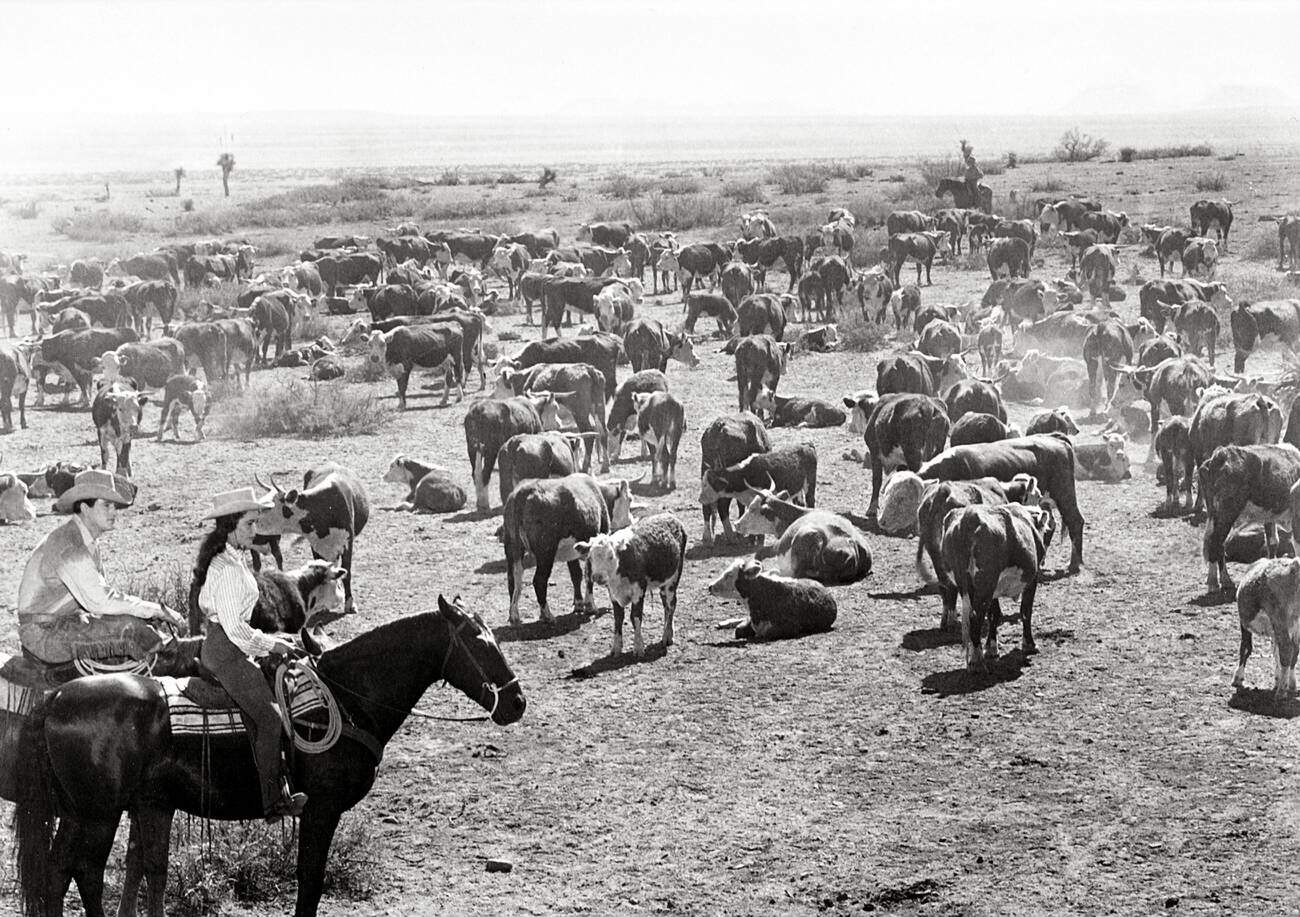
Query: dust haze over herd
x=507, y=307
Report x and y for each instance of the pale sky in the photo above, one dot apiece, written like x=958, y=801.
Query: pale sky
x=647, y=57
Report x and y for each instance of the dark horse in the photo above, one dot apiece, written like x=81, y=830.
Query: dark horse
x=961, y=194
x=102, y=745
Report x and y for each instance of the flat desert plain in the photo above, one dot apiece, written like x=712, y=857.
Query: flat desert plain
x=857, y=770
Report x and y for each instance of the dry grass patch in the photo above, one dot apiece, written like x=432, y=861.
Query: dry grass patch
x=794, y=178
x=311, y=410
x=99, y=226
x=1212, y=181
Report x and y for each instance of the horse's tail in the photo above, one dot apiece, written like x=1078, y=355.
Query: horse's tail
x=34, y=819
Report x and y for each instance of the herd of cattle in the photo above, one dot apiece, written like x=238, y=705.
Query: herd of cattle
x=981, y=497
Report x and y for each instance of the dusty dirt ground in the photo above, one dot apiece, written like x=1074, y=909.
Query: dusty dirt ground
x=853, y=771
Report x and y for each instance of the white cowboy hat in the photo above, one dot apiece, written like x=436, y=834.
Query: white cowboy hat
x=236, y=501
x=92, y=484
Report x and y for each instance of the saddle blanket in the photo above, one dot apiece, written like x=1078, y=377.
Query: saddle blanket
x=197, y=707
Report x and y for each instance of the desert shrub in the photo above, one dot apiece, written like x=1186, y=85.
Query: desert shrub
x=510, y=178
x=1076, y=146
x=355, y=866
x=932, y=170
x=537, y=192
x=680, y=185
x=463, y=208
x=743, y=192
x=99, y=226
x=448, y=177
x=1173, y=152
x=661, y=211
x=245, y=861
x=1047, y=185
x=793, y=178
x=169, y=584
x=480, y=178
x=201, y=223
x=305, y=409
x=1012, y=159
x=622, y=186
x=858, y=334
x=29, y=210
x=1212, y=181
x=1126, y=153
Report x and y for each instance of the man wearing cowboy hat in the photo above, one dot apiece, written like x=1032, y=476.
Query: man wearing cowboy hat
x=66, y=610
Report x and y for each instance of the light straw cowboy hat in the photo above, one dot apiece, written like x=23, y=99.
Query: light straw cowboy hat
x=93, y=484
x=236, y=501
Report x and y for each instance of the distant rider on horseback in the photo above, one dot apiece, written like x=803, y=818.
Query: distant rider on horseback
x=68, y=612
x=971, y=171
x=227, y=595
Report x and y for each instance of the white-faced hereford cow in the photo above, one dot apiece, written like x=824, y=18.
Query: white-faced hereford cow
x=622, y=417
x=600, y=349
x=650, y=346
x=780, y=607
x=183, y=391
x=1245, y=484
x=901, y=430
x=994, y=552
x=330, y=510
x=647, y=555
x=546, y=518
x=811, y=543
x=431, y=489
x=437, y=347
x=578, y=388
x=116, y=413
x=14, y=505
x=1229, y=419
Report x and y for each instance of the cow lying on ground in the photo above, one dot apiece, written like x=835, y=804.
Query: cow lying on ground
x=1104, y=461
x=994, y=552
x=1247, y=484
x=799, y=412
x=1267, y=606
x=779, y=607
x=811, y=543
x=546, y=518
x=431, y=489
x=14, y=505
x=1057, y=420
x=647, y=555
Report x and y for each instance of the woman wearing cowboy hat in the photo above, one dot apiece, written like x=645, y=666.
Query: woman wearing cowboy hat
x=227, y=595
x=66, y=610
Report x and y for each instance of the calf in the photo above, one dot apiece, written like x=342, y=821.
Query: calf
x=994, y=552
x=289, y=600
x=650, y=346
x=714, y=305
x=661, y=419
x=1267, y=606
x=647, y=555
x=904, y=304
x=183, y=391
x=811, y=543
x=489, y=423
x=779, y=607
x=1172, y=445
x=526, y=456
x=1200, y=256
x=431, y=488
x=546, y=518
x=1104, y=461
x=989, y=343
x=760, y=361
x=1097, y=268
x=330, y=510
x=978, y=428
x=14, y=505
x=799, y=412
x=874, y=289
x=116, y=413
x=623, y=409
x=1246, y=484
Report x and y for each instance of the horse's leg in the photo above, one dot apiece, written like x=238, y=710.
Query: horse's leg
x=146, y=858
x=82, y=852
x=315, y=834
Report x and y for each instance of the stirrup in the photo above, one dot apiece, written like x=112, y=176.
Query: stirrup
x=290, y=804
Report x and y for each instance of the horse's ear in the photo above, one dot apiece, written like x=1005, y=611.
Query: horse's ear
x=311, y=643
x=444, y=606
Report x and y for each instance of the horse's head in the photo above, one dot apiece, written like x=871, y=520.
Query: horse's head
x=475, y=664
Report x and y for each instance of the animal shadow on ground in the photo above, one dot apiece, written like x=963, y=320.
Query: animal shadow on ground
x=1051, y=576
x=912, y=594
x=653, y=652
x=1261, y=702
x=869, y=525
x=1003, y=669
x=1170, y=512
x=540, y=630
x=1215, y=598
x=471, y=515
x=929, y=638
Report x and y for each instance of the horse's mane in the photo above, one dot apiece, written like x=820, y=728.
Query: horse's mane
x=382, y=639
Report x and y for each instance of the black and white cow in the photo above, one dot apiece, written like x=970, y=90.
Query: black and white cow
x=622, y=417
x=725, y=442
x=546, y=517
x=994, y=552
x=661, y=420
x=183, y=391
x=116, y=413
x=647, y=555
x=330, y=510
x=780, y=607
x=901, y=430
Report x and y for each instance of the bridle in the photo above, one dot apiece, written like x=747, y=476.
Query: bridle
x=486, y=686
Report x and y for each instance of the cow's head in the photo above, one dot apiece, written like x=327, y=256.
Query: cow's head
x=783, y=351
x=726, y=585
x=601, y=554
x=620, y=507
x=1141, y=331
x=1048, y=219
x=109, y=365
x=199, y=403
x=942, y=241
x=14, y=505
x=760, y=515
x=1217, y=293
x=682, y=349
x=667, y=263
x=899, y=501
x=861, y=405
x=1023, y=488
x=376, y=348
x=322, y=586
x=584, y=232
x=765, y=402
x=510, y=382
x=398, y=472
x=548, y=409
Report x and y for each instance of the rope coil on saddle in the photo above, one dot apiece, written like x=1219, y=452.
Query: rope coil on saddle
x=334, y=717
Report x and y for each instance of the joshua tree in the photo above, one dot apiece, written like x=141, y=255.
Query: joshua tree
x=179, y=172
x=548, y=176
x=227, y=163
